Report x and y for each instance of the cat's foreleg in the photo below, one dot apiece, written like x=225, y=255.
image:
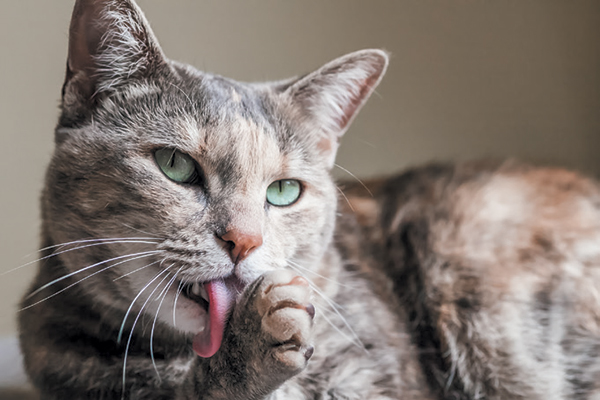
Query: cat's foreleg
x=268, y=341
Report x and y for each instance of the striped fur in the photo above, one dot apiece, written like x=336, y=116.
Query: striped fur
x=471, y=281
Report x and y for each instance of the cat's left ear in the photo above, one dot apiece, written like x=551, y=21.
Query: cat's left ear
x=110, y=44
x=330, y=97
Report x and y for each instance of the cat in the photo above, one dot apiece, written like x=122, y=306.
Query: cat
x=195, y=246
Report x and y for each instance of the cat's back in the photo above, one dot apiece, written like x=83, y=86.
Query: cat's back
x=540, y=219
x=498, y=269
x=489, y=210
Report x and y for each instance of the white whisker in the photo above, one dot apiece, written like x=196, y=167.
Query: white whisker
x=320, y=276
x=179, y=290
x=339, y=314
x=137, y=270
x=136, y=320
x=83, y=279
x=89, y=267
x=334, y=307
x=313, y=284
x=166, y=287
x=73, y=249
x=185, y=94
x=133, y=302
x=141, y=231
x=347, y=201
x=355, y=177
x=166, y=292
x=95, y=240
x=344, y=335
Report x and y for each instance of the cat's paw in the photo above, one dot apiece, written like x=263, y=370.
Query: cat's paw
x=282, y=300
x=267, y=341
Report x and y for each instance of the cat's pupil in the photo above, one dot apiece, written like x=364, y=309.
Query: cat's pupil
x=177, y=166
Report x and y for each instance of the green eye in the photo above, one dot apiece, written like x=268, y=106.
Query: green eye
x=176, y=165
x=283, y=192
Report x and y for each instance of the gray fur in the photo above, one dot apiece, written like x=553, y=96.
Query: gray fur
x=462, y=282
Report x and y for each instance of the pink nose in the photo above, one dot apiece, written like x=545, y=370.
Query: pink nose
x=242, y=244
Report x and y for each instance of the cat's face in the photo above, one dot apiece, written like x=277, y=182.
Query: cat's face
x=198, y=179
x=116, y=183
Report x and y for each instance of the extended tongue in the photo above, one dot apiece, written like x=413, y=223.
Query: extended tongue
x=220, y=302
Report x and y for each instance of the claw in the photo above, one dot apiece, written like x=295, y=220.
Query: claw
x=309, y=352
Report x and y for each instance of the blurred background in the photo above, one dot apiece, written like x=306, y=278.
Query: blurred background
x=468, y=79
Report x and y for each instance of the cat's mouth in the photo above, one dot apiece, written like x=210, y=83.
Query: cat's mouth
x=217, y=298
x=197, y=293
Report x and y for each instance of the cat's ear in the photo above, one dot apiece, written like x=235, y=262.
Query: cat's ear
x=330, y=97
x=110, y=42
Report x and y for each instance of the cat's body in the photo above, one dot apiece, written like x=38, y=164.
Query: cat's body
x=191, y=229
x=496, y=266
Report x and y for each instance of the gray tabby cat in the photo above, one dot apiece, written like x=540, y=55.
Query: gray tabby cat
x=194, y=247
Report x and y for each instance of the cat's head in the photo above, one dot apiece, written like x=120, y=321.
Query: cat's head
x=179, y=177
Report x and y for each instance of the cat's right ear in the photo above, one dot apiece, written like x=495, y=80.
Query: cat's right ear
x=110, y=43
x=329, y=98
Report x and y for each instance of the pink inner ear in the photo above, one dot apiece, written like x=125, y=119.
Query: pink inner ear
x=110, y=42
x=88, y=27
x=84, y=38
x=356, y=100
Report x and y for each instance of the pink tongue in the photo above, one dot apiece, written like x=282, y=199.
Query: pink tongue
x=207, y=343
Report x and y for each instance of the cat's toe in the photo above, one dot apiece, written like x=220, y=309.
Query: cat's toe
x=281, y=289
x=290, y=324
x=295, y=359
x=287, y=317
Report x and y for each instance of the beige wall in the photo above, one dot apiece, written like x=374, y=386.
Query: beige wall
x=467, y=79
